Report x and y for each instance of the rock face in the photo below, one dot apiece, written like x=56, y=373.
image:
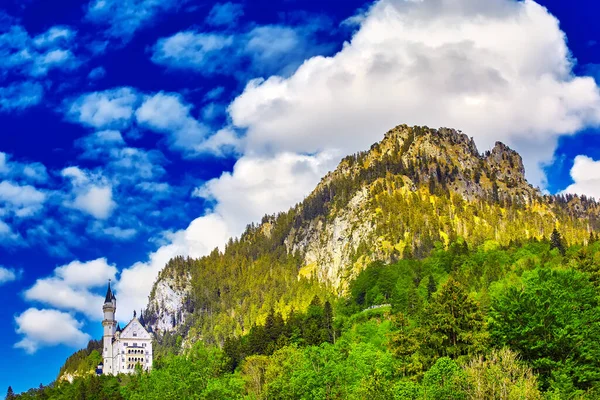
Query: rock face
x=327, y=247
x=168, y=306
x=416, y=187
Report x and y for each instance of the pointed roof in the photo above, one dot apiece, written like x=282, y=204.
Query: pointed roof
x=109, y=294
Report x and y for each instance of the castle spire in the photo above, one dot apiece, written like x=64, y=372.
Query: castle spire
x=109, y=294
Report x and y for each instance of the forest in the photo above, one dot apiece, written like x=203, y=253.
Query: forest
x=467, y=321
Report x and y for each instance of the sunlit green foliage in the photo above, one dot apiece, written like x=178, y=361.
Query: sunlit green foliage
x=542, y=339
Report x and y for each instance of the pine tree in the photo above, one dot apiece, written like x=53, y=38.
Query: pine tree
x=456, y=323
x=556, y=241
x=431, y=287
x=10, y=395
x=328, y=322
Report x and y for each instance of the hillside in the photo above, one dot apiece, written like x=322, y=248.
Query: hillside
x=419, y=269
x=416, y=190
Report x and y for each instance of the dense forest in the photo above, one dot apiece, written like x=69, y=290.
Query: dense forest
x=515, y=321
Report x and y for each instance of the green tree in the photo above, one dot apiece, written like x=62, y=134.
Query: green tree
x=10, y=395
x=431, y=287
x=405, y=345
x=454, y=321
x=445, y=380
x=551, y=319
x=556, y=241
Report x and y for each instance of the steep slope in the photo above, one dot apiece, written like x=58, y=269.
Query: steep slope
x=416, y=189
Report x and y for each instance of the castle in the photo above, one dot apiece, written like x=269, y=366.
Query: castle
x=123, y=349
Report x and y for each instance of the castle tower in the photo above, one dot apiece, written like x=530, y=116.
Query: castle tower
x=110, y=324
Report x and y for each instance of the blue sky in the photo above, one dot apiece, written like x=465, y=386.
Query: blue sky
x=136, y=130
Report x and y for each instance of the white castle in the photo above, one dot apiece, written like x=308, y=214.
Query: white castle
x=123, y=349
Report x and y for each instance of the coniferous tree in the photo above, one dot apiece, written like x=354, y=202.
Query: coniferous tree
x=556, y=241
x=455, y=322
x=328, y=322
x=10, y=395
x=431, y=287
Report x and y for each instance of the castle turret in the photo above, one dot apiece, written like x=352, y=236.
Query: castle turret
x=110, y=324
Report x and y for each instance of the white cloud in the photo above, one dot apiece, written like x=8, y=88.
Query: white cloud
x=71, y=287
x=110, y=109
x=267, y=185
x=204, y=51
x=21, y=200
x=586, y=177
x=165, y=112
x=8, y=236
x=9, y=275
x=36, y=56
x=48, y=328
x=20, y=95
x=118, y=233
x=89, y=194
x=496, y=69
x=262, y=50
x=96, y=143
x=162, y=112
x=53, y=36
x=86, y=274
x=33, y=172
x=225, y=14
x=96, y=201
x=124, y=17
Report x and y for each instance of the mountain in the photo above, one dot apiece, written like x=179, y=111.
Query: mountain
x=417, y=190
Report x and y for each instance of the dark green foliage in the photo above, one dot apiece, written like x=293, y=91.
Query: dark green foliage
x=552, y=320
x=431, y=287
x=455, y=322
x=10, y=395
x=556, y=242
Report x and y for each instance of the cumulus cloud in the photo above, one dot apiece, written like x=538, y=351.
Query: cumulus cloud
x=9, y=275
x=21, y=200
x=225, y=14
x=586, y=177
x=89, y=194
x=48, y=328
x=95, y=145
x=496, y=69
x=123, y=18
x=121, y=108
x=194, y=50
x=166, y=112
x=35, y=56
x=109, y=109
x=71, y=287
x=33, y=172
x=262, y=50
x=20, y=95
